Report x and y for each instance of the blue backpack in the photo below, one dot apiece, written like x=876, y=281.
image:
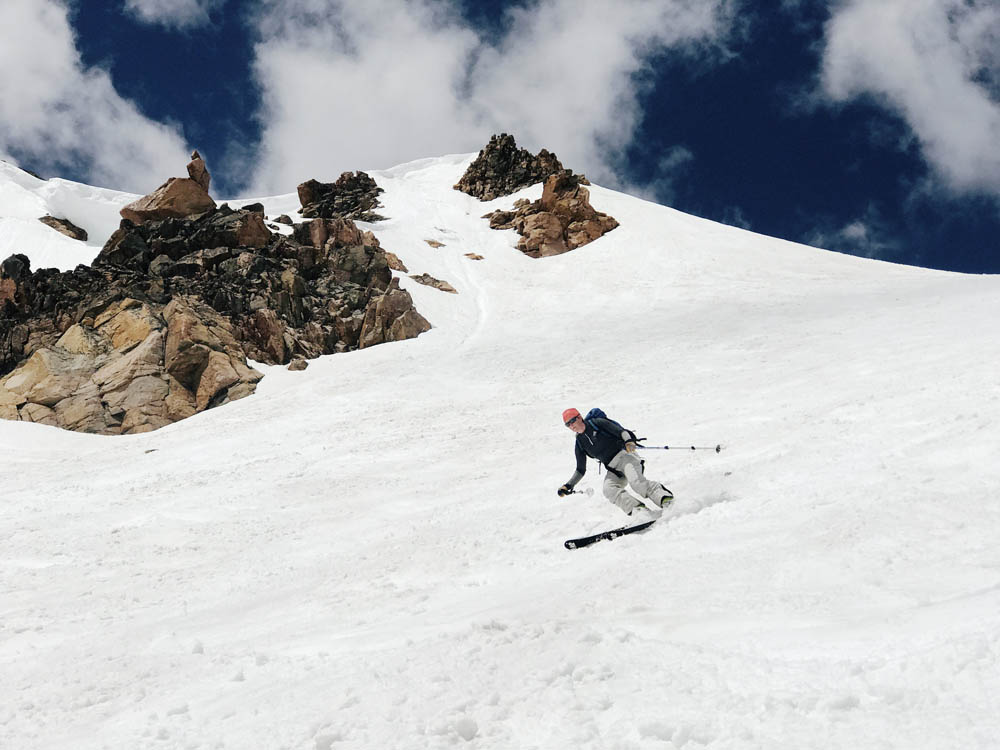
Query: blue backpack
x=594, y=413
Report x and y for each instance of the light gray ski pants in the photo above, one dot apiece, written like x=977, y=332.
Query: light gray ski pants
x=615, y=486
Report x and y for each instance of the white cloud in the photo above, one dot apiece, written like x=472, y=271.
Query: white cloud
x=936, y=63
x=868, y=236
x=59, y=115
x=179, y=14
x=366, y=85
x=671, y=167
x=358, y=85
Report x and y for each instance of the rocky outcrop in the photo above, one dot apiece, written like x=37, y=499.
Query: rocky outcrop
x=177, y=198
x=131, y=369
x=391, y=317
x=502, y=169
x=561, y=220
x=353, y=196
x=161, y=325
x=65, y=226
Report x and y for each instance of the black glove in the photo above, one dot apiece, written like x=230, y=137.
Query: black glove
x=565, y=490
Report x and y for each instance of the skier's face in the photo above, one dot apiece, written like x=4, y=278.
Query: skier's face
x=577, y=425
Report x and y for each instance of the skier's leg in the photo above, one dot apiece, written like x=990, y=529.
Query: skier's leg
x=614, y=491
x=631, y=467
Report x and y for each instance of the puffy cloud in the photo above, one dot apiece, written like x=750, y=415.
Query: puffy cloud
x=937, y=64
x=173, y=13
x=869, y=236
x=358, y=85
x=672, y=166
x=59, y=115
x=366, y=85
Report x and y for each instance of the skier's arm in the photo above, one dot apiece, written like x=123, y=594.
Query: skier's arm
x=581, y=467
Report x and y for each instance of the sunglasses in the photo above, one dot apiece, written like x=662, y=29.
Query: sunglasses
x=573, y=421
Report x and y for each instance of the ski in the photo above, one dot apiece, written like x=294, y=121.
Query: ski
x=586, y=541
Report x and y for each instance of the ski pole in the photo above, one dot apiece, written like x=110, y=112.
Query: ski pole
x=717, y=448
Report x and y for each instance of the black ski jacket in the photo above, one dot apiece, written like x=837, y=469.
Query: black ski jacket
x=601, y=440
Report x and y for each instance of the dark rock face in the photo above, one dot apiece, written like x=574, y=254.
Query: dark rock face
x=160, y=327
x=352, y=196
x=502, y=169
x=561, y=221
x=65, y=226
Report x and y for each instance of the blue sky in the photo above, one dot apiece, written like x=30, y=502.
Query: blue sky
x=864, y=126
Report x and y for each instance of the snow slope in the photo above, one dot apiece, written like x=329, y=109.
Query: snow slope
x=25, y=198
x=368, y=554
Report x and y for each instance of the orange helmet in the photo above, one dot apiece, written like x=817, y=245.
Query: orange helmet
x=569, y=415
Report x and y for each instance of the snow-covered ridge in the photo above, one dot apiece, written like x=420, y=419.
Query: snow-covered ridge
x=25, y=198
x=369, y=553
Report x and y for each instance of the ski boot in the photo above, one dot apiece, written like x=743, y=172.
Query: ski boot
x=668, y=497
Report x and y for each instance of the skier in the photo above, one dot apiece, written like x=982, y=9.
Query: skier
x=614, y=446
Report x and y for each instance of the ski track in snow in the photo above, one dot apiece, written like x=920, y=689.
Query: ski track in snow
x=369, y=553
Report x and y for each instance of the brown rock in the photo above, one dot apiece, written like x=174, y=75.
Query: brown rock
x=198, y=172
x=180, y=402
x=318, y=231
x=395, y=263
x=126, y=324
x=251, y=231
x=187, y=365
x=177, y=198
x=201, y=352
x=144, y=418
x=561, y=188
x=297, y=365
x=148, y=389
x=10, y=400
x=65, y=226
x=542, y=235
x=265, y=332
x=39, y=414
x=561, y=220
x=501, y=219
x=84, y=411
x=217, y=375
x=427, y=280
x=79, y=339
x=237, y=391
x=189, y=342
x=115, y=377
x=49, y=376
x=391, y=317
